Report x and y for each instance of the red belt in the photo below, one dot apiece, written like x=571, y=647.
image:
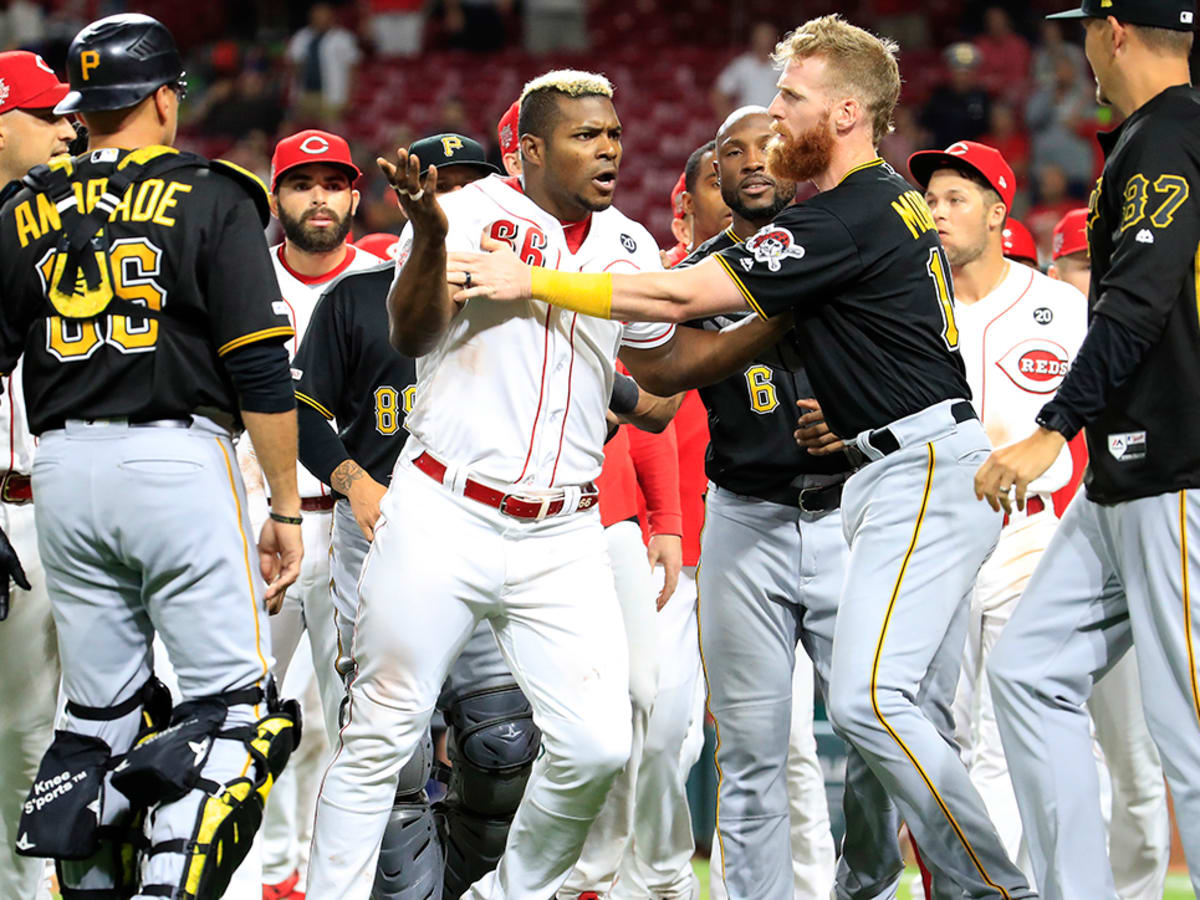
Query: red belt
x=1033, y=506
x=316, y=504
x=16, y=488
x=516, y=505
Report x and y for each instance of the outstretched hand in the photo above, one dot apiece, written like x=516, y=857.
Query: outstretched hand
x=417, y=195
x=496, y=274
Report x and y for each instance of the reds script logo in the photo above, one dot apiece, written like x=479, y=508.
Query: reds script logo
x=1037, y=366
x=774, y=244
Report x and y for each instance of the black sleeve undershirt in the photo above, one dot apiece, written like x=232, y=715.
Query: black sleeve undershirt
x=1108, y=357
x=262, y=376
x=321, y=449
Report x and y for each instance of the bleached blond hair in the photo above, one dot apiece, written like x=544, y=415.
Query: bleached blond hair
x=858, y=63
x=572, y=82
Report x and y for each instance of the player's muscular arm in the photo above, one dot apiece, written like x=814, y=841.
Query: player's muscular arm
x=696, y=358
x=419, y=304
x=675, y=296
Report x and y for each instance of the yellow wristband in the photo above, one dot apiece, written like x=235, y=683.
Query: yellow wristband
x=581, y=292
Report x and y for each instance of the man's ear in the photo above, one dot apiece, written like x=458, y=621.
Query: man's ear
x=533, y=150
x=354, y=198
x=681, y=231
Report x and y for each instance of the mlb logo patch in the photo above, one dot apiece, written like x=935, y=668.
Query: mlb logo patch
x=1127, y=446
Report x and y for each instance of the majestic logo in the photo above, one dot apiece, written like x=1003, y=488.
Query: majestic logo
x=772, y=245
x=1037, y=366
x=1144, y=236
x=1043, y=315
x=314, y=144
x=628, y=243
x=1128, y=446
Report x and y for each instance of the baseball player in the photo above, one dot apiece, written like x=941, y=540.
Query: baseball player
x=30, y=133
x=861, y=267
x=1118, y=570
x=348, y=373
x=1019, y=332
x=313, y=198
x=491, y=506
x=138, y=287
x=773, y=561
x=510, y=144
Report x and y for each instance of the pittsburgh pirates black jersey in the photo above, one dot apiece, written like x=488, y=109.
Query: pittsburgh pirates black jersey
x=1144, y=240
x=188, y=245
x=347, y=370
x=752, y=416
x=863, y=270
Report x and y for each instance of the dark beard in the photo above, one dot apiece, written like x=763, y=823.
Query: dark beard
x=311, y=240
x=801, y=158
x=780, y=201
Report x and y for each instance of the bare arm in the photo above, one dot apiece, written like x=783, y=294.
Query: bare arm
x=652, y=413
x=419, y=305
x=280, y=546
x=696, y=358
x=674, y=296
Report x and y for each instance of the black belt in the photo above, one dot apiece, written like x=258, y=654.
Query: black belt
x=883, y=440
x=821, y=499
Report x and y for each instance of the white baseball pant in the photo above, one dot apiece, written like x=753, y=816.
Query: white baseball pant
x=28, y=662
x=439, y=563
x=606, y=843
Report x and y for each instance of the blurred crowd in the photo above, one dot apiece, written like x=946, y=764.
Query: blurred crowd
x=264, y=68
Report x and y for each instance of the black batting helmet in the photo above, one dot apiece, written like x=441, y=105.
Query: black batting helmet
x=118, y=61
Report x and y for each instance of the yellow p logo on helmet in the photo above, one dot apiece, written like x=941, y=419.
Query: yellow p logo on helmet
x=450, y=144
x=88, y=60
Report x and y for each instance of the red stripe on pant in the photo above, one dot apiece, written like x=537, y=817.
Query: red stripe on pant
x=926, y=876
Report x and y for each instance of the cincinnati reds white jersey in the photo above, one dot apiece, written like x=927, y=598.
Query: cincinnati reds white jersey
x=17, y=456
x=300, y=296
x=517, y=392
x=1017, y=344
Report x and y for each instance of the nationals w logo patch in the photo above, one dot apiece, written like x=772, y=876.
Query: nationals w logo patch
x=772, y=245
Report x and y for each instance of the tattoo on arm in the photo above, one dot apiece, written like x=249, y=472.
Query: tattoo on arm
x=345, y=475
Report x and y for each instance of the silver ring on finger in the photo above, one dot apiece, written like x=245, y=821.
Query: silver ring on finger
x=417, y=196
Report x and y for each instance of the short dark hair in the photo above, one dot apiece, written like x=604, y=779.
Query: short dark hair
x=691, y=169
x=1164, y=41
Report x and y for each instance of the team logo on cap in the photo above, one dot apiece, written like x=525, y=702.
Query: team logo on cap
x=772, y=245
x=1037, y=366
x=506, y=135
x=41, y=64
x=3, y=91
x=314, y=144
x=450, y=144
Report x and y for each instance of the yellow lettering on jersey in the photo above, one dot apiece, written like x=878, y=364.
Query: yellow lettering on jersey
x=168, y=202
x=914, y=212
x=27, y=228
x=148, y=195
x=121, y=210
x=95, y=190
x=48, y=218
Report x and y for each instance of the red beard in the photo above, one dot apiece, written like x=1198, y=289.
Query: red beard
x=801, y=158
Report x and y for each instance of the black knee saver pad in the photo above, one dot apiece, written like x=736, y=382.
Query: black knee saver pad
x=60, y=818
x=493, y=743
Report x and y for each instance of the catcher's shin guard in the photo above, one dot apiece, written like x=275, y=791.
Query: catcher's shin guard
x=493, y=743
x=73, y=816
x=410, y=856
x=212, y=780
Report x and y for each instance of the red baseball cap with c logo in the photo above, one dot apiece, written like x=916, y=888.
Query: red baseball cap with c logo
x=27, y=82
x=987, y=161
x=312, y=146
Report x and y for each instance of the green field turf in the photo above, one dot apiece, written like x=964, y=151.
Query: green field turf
x=1178, y=886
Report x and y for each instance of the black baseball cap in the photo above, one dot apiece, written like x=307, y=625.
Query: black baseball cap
x=450, y=149
x=1178, y=15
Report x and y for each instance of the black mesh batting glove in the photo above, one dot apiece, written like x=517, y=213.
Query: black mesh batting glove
x=10, y=567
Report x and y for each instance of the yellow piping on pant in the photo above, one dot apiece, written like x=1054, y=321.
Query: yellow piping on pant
x=912, y=546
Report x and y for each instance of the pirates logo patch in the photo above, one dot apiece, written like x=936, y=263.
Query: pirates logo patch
x=772, y=245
